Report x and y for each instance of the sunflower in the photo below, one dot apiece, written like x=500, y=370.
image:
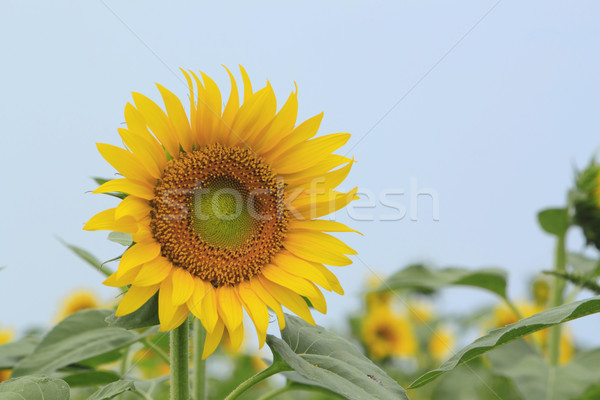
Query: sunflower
x=441, y=343
x=78, y=300
x=223, y=207
x=386, y=334
x=6, y=335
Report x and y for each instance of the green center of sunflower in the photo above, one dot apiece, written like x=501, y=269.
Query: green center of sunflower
x=219, y=212
x=220, y=216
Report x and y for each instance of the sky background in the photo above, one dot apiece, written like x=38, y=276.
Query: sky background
x=487, y=104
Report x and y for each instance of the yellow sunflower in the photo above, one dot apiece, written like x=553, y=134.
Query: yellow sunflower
x=222, y=204
x=441, y=343
x=6, y=335
x=387, y=334
x=78, y=300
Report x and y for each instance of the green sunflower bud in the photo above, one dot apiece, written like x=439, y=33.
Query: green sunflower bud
x=586, y=200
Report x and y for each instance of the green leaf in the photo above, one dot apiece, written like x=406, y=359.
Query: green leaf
x=584, y=265
x=11, y=353
x=91, y=378
x=34, y=388
x=87, y=257
x=535, y=379
x=555, y=221
x=499, y=337
x=78, y=337
x=331, y=362
x=426, y=279
x=143, y=317
x=112, y=390
x=124, y=239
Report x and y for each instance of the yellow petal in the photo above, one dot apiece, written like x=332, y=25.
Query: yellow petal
x=136, y=124
x=183, y=286
x=127, y=186
x=166, y=309
x=268, y=299
x=127, y=278
x=134, y=207
x=178, y=117
x=247, y=84
x=280, y=126
x=287, y=280
x=289, y=299
x=230, y=111
x=300, y=179
x=179, y=317
x=300, y=267
x=257, y=310
x=211, y=106
x=236, y=337
x=253, y=116
x=135, y=297
x=300, y=134
x=316, y=205
x=126, y=163
x=213, y=339
x=138, y=254
x=328, y=181
x=322, y=225
x=143, y=152
x=309, y=247
x=209, y=309
x=105, y=221
x=317, y=300
x=158, y=122
x=153, y=272
x=195, y=301
x=309, y=153
x=229, y=306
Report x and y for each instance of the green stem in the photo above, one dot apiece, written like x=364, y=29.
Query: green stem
x=180, y=387
x=558, y=287
x=157, y=350
x=278, y=366
x=199, y=363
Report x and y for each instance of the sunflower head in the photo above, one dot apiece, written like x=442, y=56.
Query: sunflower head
x=78, y=300
x=441, y=343
x=223, y=204
x=586, y=200
x=388, y=334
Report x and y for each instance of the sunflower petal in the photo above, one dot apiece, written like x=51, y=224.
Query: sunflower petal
x=268, y=299
x=127, y=186
x=138, y=254
x=236, y=337
x=310, y=206
x=143, y=152
x=183, y=285
x=302, y=268
x=257, y=310
x=229, y=306
x=213, y=339
x=321, y=225
x=287, y=280
x=209, y=310
x=135, y=297
x=134, y=207
x=127, y=278
x=289, y=299
x=309, y=247
x=247, y=84
x=158, y=122
x=126, y=163
x=303, y=132
x=153, y=272
x=309, y=153
x=280, y=126
x=254, y=115
x=230, y=111
x=195, y=301
x=106, y=221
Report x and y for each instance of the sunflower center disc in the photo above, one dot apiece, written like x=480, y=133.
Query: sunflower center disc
x=219, y=212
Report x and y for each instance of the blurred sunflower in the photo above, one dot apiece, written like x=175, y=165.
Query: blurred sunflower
x=76, y=301
x=222, y=207
x=387, y=334
x=376, y=299
x=441, y=343
x=6, y=335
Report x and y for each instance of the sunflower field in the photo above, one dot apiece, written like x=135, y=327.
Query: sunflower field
x=224, y=214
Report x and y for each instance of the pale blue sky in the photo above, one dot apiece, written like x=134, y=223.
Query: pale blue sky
x=493, y=122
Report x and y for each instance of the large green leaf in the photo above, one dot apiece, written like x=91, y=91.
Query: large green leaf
x=11, y=353
x=143, y=317
x=91, y=378
x=554, y=221
x=330, y=361
x=535, y=379
x=34, y=388
x=498, y=337
x=427, y=279
x=112, y=390
x=78, y=337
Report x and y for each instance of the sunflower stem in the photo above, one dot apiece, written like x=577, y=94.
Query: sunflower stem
x=558, y=287
x=199, y=364
x=277, y=366
x=180, y=386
